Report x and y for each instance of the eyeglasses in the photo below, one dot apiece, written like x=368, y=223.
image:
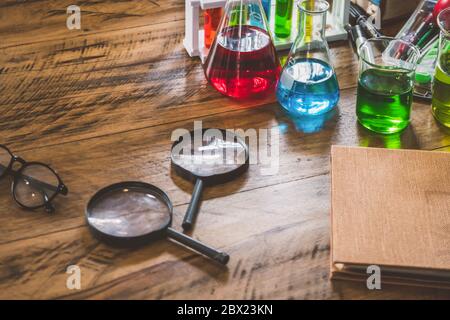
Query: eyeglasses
x=35, y=184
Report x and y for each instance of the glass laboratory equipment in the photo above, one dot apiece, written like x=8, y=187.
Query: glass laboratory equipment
x=385, y=84
x=267, y=4
x=212, y=20
x=242, y=61
x=421, y=27
x=425, y=70
x=308, y=83
x=283, y=18
x=441, y=84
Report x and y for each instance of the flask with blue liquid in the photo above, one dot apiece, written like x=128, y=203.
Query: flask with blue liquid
x=308, y=83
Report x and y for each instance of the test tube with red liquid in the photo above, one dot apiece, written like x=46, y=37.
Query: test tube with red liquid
x=212, y=20
x=421, y=29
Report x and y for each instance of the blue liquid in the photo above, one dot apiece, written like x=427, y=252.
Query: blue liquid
x=308, y=87
x=266, y=5
x=312, y=124
x=255, y=15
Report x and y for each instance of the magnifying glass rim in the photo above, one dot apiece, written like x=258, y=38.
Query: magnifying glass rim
x=218, y=177
x=132, y=240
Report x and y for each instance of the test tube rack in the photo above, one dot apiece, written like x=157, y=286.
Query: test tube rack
x=194, y=34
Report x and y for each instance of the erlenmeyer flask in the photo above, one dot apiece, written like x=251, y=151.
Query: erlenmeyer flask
x=308, y=83
x=242, y=62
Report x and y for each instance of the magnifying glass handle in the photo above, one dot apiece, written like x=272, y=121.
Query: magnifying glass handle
x=219, y=256
x=192, y=210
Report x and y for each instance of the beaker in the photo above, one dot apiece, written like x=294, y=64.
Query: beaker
x=385, y=84
x=308, y=83
x=441, y=83
x=242, y=62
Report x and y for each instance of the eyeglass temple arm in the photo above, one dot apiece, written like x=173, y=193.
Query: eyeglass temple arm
x=48, y=205
x=43, y=185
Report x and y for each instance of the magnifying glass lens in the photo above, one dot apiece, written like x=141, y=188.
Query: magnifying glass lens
x=214, y=154
x=132, y=212
x=129, y=212
x=208, y=156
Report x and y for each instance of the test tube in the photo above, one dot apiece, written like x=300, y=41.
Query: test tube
x=283, y=18
x=212, y=20
x=266, y=5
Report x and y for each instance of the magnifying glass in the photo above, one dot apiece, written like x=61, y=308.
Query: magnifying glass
x=134, y=213
x=207, y=157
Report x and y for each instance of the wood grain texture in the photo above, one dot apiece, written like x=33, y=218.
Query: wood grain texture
x=100, y=105
x=41, y=20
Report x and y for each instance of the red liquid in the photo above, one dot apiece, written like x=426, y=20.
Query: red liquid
x=243, y=63
x=212, y=20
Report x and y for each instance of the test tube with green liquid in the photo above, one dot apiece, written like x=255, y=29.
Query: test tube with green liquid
x=239, y=15
x=283, y=18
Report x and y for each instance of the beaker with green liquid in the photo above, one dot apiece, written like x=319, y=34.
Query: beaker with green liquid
x=441, y=82
x=385, y=84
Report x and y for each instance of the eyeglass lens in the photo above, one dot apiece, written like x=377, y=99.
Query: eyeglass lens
x=35, y=185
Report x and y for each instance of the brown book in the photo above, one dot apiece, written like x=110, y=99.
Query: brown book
x=391, y=208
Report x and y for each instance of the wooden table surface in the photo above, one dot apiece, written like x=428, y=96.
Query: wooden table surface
x=100, y=104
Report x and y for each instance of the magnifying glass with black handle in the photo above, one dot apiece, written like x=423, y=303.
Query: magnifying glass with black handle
x=134, y=213
x=208, y=157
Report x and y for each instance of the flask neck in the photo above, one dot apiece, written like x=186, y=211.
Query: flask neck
x=312, y=25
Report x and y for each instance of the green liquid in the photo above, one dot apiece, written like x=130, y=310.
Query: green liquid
x=283, y=18
x=238, y=15
x=384, y=100
x=441, y=91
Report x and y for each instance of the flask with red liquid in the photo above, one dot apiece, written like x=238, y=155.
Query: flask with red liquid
x=242, y=61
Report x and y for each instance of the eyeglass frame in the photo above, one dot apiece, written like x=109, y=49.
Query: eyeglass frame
x=8, y=171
